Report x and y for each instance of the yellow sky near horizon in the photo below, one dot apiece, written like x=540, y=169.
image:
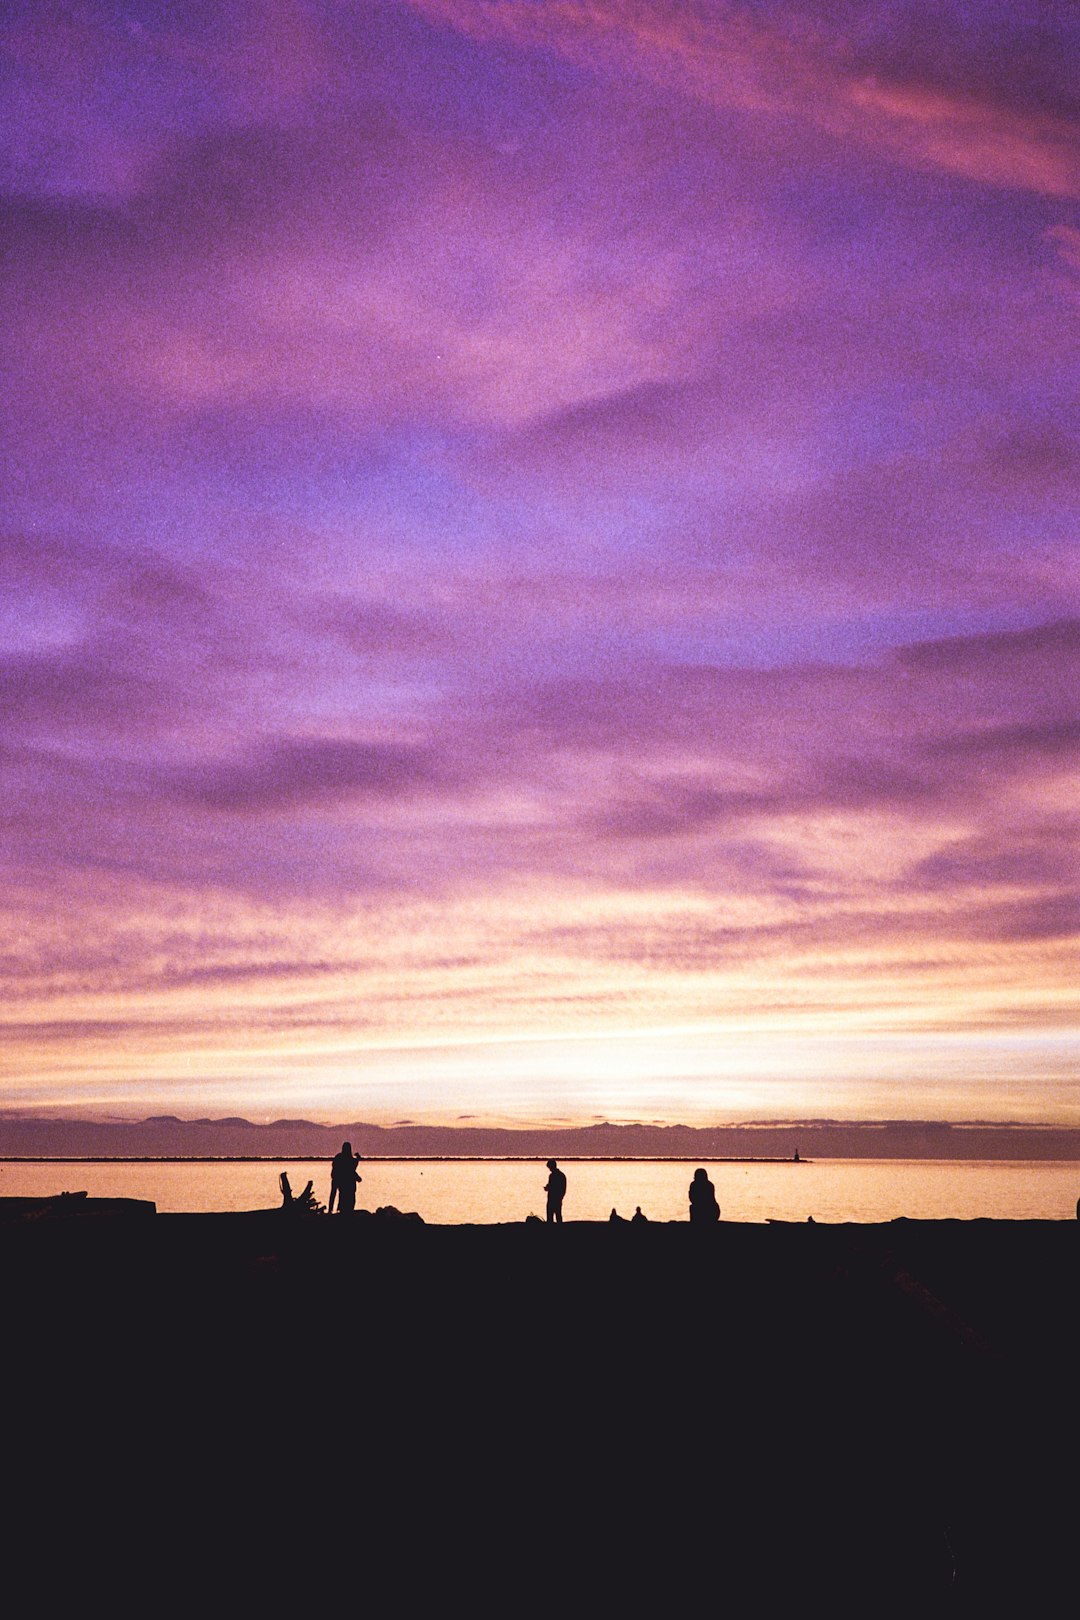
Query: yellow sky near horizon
x=670, y=1007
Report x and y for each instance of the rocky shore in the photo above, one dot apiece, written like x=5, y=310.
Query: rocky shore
x=645, y=1416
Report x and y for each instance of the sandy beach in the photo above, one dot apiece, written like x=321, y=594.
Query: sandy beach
x=876, y=1412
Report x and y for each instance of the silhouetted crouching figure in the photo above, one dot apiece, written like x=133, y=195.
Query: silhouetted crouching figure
x=637, y=1217
x=703, y=1206
x=555, y=1187
x=343, y=1179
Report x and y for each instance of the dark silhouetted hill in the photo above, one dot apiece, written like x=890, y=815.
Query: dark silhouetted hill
x=166, y=1136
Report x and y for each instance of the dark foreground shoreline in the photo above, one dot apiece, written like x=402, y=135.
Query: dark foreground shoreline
x=594, y=1417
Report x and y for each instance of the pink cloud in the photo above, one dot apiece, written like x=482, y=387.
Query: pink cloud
x=799, y=64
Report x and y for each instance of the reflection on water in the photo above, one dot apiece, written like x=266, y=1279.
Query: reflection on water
x=451, y=1192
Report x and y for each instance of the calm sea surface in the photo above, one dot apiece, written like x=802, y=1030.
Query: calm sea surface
x=452, y=1192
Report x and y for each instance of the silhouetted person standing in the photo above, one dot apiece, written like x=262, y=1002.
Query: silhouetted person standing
x=555, y=1187
x=703, y=1206
x=343, y=1179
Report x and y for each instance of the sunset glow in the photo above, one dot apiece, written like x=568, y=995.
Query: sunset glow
x=540, y=577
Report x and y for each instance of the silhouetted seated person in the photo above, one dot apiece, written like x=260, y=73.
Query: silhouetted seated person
x=703, y=1206
x=555, y=1187
x=621, y=1220
x=343, y=1178
x=637, y=1217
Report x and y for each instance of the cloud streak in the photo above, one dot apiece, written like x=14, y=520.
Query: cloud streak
x=915, y=103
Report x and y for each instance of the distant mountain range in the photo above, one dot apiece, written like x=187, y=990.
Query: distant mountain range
x=165, y=1136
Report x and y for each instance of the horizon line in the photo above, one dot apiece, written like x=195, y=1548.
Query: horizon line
x=295, y=1123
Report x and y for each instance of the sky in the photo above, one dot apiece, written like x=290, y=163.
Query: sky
x=539, y=575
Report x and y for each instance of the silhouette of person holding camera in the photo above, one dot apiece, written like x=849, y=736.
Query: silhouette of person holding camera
x=343, y=1178
x=555, y=1187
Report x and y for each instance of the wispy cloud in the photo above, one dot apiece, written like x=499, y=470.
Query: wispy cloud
x=297, y=771
x=872, y=75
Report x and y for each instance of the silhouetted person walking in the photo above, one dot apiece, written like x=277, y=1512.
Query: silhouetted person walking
x=343, y=1179
x=555, y=1187
x=703, y=1206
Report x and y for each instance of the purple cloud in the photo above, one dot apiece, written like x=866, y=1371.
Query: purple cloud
x=298, y=771
x=1017, y=744
x=73, y=691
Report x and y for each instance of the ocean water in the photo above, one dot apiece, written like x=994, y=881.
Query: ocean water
x=454, y=1191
